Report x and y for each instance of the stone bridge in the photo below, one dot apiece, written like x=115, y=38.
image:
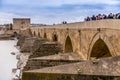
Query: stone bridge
x=92, y=39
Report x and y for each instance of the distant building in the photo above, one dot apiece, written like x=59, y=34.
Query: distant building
x=19, y=26
x=21, y=23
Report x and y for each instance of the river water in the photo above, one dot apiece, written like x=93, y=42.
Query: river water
x=7, y=60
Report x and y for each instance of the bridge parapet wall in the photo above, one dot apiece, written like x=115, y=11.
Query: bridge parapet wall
x=107, y=23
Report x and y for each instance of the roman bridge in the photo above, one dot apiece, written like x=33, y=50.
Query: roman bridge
x=92, y=39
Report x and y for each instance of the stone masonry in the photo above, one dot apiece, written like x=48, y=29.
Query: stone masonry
x=100, y=69
x=51, y=60
x=46, y=49
x=90, y=51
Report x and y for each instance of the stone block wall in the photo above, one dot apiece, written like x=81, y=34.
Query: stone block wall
x=19, y=23
x=46, y=49
x=31, y=44
x=38, y=64
x=21, y=40
x=54, y=76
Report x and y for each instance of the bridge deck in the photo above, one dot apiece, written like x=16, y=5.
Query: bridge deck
x=107, y=23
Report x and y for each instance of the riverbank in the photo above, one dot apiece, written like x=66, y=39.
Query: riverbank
x=8, y=61
x=18, y=58
x=21, y=57
x=6, y=37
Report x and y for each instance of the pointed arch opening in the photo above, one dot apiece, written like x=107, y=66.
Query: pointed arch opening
x=38, y=34
x=100, y=50
x=34, y=34
x=68, y=45
x=30, y=32
x=45, y=36
x=55, y=37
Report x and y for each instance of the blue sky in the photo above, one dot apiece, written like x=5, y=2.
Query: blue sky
x=55, y=11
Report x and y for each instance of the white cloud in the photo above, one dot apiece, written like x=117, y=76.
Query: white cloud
x=7, y=17
x=55, y=11
x=57, y=2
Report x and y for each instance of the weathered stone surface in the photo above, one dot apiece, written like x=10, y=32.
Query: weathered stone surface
x=52, y=76
x=38, y=64
x=52, y=60
x=28, y=45
x=32, y=44
x=61, y=56
x=22, y=60
x=106, y=69
x=47, y=48
x=21, y=40
x=107, y=66
x=38, y=42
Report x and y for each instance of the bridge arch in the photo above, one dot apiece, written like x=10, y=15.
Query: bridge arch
x=45, y=35
x=55, y=37
x=38, y=34
x=68, y=47
x=34, y=34
x=101, y=44
x=30, y=32
x=100, y=49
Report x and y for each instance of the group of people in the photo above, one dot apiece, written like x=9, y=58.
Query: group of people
x=103, y=16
